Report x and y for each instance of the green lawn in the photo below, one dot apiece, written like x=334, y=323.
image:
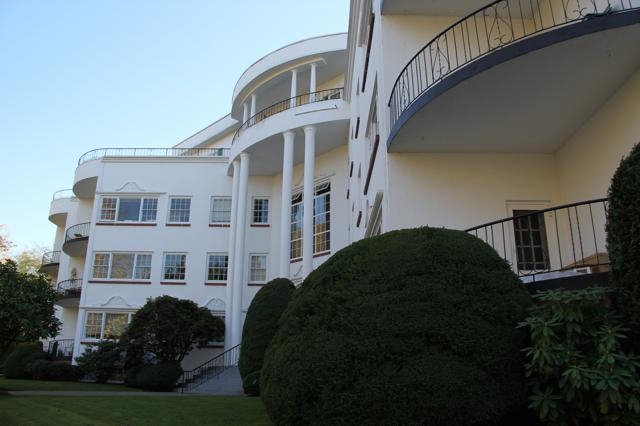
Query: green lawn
x=28, y=385
x=139, y=410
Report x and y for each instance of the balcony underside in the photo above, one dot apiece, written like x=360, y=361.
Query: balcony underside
x=85, y=188
x=76, y=247
x=49, y=268
x=70, y=300
x=433, y=8
x=528, y=96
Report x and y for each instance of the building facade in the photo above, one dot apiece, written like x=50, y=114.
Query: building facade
x=422, y=114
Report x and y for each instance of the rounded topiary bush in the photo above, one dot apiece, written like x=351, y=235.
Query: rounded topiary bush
x=623, y=240
x=410, y=327
x=158, y=377
x=17, y=363
x=259, y=327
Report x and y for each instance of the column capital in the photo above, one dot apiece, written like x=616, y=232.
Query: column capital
x=310, y=130
x=289, y=134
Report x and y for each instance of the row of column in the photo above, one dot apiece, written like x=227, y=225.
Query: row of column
x=237, y=235
x=249, y=111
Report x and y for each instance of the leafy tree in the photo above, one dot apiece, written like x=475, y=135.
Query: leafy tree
x=29, y=261
x=26, y=307
x=166, y=329
x=101, y=360
x=5, y=246
x=578, y=373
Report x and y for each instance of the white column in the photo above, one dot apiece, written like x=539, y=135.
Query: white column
x=245, y=112
x=294, y=87
x=228, y=314
x=285, y=210
x=312, y=83
x=253, y=105
x=239, y=256
x=308, y=196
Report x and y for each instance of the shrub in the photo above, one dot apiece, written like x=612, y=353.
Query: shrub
x=101, y=361
x=46, y=370
x=578, y=373
x=15, y=366
x=623, y=241
x=259, y=327
x=410, y=327
x=158, y=377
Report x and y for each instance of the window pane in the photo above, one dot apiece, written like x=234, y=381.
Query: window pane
x=93, y=325
x=108, y=208
x=174, y=266
x=179, y=210
x=296, y=227
x=322, y=220
x=149, y=210
x=114, y=325
x=261, y=210
x=258, y=268
x=101, y=265
x=129, y=209
x=220, y=210
x=217, y=267
x=122, y=265
x=143, y=267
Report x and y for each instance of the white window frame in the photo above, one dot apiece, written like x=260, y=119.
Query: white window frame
x=297, y=202
x=103, y=323
x=322, y=187
x=252, y=280
x=179, y=210
x=296, y=206
x=261, y=200
x=209, y=256
x=164, y=266
x=109, y=264
x=211, y=211
x=116, y=209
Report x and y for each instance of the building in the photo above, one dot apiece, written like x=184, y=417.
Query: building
x=424, y=113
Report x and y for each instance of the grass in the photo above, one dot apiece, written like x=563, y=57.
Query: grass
x=139, y=410
x=36, y=385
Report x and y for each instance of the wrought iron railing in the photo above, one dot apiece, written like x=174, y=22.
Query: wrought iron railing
x=77, y=232
x=568, y=238
x=50, y=257
x=304, y=99
x=71, y=287
x=63, y=193
x=60, y=349
x=153, y=152
x=208, y=370
x=492, y=27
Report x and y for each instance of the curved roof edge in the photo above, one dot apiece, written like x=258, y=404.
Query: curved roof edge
x=218, y=128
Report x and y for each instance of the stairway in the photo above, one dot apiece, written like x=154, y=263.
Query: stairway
x=226, y=383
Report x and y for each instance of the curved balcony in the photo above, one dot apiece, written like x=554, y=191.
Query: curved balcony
x=60, y=206
x=76, y=239
x=88, y=169
x=261, y=134
x=50, y=262
x=510, y=66
x=68, y=293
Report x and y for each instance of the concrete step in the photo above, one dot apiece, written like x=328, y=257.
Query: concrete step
x=228, y=383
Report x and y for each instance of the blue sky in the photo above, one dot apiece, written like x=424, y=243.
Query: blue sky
x=81, y=75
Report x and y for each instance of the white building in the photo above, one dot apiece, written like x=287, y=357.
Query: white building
x=424, y=113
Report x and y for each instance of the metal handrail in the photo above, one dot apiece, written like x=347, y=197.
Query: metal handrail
x=76, y=232
x=153, y=152
x=494, y=26
x=568, y=236
x=60, y=348
x=69, y=287
x=51, y=257
x=63, y=193
x=209, y=369
x=286, y=104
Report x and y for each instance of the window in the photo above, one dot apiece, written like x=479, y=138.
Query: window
x=220, y=210
x=296, y=226
x=105, y=325
x=321, y=221
x=122, y=266
x=531, y=241
x=217, y=265
x=175, y=266
x=179, y=210
x=128, y=209
x=260, y=211
x=258, y=268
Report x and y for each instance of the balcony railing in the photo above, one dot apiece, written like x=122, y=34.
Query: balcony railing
x=63, y=193
x=69, y=288
x=60, y=349
x=153, y=152
x=50, y=257
x=77, y=232
x=490, y=28
x=569, y=238
x=304, y=99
